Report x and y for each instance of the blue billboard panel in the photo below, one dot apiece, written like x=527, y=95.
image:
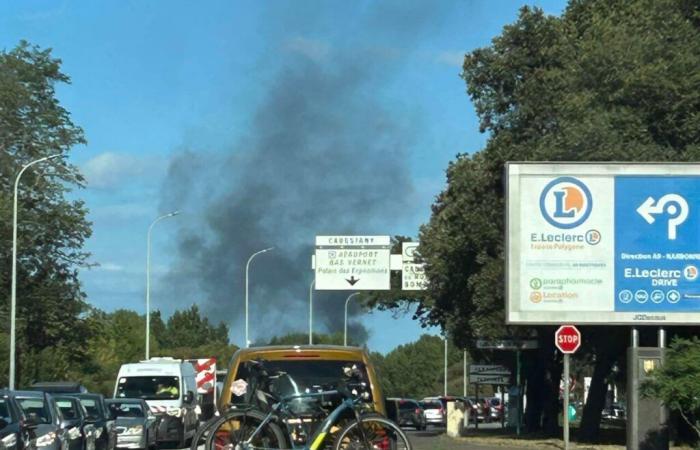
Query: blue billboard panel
x=657, y=243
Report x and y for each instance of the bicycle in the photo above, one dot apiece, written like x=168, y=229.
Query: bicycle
x=265, y=422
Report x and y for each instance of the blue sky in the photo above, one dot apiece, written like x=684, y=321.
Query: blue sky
x=152, y=81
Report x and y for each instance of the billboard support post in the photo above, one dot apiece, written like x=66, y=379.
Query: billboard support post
x=520, y=394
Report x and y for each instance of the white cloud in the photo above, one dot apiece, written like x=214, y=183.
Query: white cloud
x=108, y=170
x=451, y=58
x=311, y=48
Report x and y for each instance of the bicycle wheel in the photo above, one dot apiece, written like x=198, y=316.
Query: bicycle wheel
x=200, y=437
x=235, y=428
x=372, y=433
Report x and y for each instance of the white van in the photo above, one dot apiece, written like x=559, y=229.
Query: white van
x=168, y=385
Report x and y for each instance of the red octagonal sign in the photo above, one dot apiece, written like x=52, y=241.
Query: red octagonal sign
x=567, y=338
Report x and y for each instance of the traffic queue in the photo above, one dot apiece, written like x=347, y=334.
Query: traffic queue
x=155, y=402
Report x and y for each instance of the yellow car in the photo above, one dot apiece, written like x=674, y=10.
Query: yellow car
x=311, y=367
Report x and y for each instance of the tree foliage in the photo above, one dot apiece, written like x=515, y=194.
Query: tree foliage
x=677, y=382
x=51, y=228
x=607, y=81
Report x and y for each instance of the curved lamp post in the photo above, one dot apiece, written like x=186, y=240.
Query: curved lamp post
x=247, y=265
x=13, y=294
x=148, y=280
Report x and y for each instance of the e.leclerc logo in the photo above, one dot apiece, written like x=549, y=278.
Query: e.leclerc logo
x=566, y=202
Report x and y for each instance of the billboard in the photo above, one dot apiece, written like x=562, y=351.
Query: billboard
x=603, y=243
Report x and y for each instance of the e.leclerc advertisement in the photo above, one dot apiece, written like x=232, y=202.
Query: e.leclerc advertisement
x=605, y=245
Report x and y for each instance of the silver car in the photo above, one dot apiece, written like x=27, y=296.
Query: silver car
x=136, y=425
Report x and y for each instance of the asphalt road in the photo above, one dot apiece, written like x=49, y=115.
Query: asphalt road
x=435, y=439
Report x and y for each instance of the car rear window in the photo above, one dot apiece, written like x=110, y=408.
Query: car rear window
x=407, y=405
x=92, y=407
x=67, y=409
x=33, y=405
x=127, y=409
x=432, y=405
x=301, y=375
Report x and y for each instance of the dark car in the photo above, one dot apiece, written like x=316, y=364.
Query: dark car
x=406, y=412
x=42, y=419
x=104, y=423
x=136, y=425
x=12, y=429
x=81, y=429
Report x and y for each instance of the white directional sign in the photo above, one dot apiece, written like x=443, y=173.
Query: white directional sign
x=355, y=263
x=489, y=379
x=482, y=369
x=412, y=273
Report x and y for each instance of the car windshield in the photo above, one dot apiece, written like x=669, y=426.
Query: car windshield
x=5, y=411
x=127, y=409
x=36, y=406
x=149, y=388
x=67, y=409
x=92, y=407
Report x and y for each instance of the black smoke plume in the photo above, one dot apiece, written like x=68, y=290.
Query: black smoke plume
x=321, y=155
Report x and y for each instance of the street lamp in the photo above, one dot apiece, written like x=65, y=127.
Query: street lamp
x=345, y=328
x=148, y=280
x=13, y=294
x=311, y=311
x=247, y=265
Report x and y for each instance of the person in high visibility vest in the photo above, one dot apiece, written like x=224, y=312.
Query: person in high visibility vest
x=167, y=391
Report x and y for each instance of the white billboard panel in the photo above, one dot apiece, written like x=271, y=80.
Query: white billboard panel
x=353, y=263
x=603, y=243
x=412, y=273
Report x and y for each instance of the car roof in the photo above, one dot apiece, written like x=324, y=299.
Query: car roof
x=58, y=386
x=124, y=400
x=303, y=352
x=90, y=395
x=37, y=394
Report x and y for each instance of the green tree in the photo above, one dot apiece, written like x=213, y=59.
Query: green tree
x=417, y=370
x=676, y=383
x=52, y=228
x=189, y=329
x=608, y=80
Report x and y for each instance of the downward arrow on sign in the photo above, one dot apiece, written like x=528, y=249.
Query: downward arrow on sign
x=352, y=280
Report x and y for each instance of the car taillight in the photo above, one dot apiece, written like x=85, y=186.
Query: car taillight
x=442, y=411
x=417, y=411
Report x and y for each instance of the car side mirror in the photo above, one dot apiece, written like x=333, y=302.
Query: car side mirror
x=189, y=397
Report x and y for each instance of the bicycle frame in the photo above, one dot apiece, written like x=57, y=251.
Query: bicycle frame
x=322, y=430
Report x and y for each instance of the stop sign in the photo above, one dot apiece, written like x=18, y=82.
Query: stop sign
x=567, y=338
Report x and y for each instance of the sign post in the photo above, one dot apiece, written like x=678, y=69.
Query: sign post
x=568, y=340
